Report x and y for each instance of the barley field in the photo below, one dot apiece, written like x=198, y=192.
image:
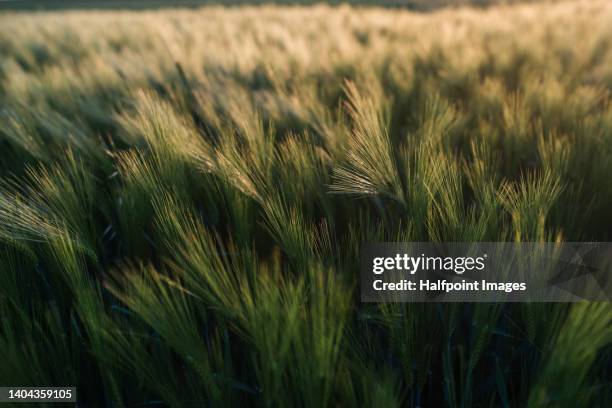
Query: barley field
x=184, y=195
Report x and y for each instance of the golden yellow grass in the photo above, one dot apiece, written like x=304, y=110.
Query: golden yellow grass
x=288, y=43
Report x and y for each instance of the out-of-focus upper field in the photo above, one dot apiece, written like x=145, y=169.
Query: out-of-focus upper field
x=144, y=4
x=184, y=195
x=528, y=47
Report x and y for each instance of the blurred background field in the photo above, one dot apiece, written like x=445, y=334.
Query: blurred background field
x=420, y=5
x=184, y=194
